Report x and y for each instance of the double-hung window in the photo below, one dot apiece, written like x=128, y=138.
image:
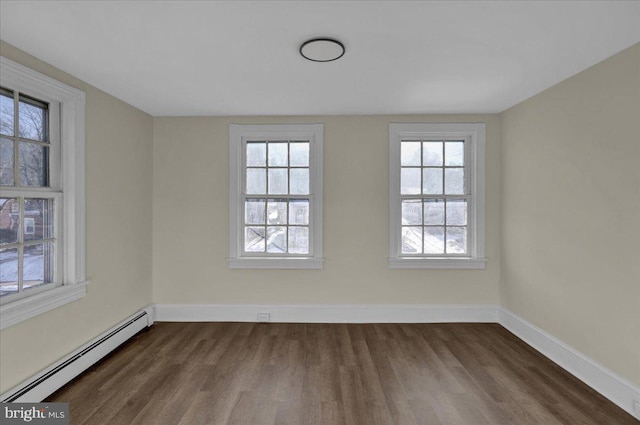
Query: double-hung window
x=276, y=196
x=437, y=196
x=41, y=193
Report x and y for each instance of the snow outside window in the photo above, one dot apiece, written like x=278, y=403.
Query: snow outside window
x=42, y=212
x=276, y=196
x=436, y=192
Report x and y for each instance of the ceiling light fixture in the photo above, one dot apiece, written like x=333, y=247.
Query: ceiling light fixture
x=322, y=49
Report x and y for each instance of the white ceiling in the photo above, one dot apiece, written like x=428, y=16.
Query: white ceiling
x=241, y=58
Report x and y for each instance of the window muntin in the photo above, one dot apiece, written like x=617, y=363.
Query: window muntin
x=24, y=140
x=436, y=195
x=28, y=242
x=56, y=136
x=276, y=196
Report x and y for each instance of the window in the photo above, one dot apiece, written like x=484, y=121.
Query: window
x=30, y=226
x=276, y=196
x=437, y=195
x=42, y=193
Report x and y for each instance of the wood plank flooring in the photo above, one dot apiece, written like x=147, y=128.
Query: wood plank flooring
x=331, y=374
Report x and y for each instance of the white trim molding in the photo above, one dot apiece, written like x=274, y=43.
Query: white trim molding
x=612, y=386
x=609, y=384
x=323, y=313
x=238, y=136
x=437, y=263
x=474, y=136
x=28, y=307
x=70, y=282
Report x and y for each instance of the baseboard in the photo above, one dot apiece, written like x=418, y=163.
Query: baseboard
x=334, y=313
x=44, y=383
x=604, y=381
x=609, y=384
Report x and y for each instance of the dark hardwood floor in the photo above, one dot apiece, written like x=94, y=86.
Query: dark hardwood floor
x=306, y=374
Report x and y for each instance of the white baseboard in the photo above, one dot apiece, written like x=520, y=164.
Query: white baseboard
x=609, y=384
x=604, y=381
x=46, y=382
x=335, y=313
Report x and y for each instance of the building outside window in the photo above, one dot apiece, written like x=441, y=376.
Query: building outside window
x=42, y=208
x=276, y=196
x=437, y=195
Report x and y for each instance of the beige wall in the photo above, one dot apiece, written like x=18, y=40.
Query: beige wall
x=119, y=216
x=571, y=212
x=191, y=210
x=567, y=160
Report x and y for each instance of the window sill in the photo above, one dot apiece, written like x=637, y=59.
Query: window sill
x=275, y=263
x=437, y=263
x=25, y=308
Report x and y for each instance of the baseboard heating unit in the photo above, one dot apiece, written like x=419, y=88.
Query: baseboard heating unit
x=43, y=384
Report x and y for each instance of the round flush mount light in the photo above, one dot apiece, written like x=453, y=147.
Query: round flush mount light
x=322, y=49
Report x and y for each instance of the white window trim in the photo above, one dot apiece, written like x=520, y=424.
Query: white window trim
x=72, y=282
x=238, y=133
x=476, y=214
x=29, y=222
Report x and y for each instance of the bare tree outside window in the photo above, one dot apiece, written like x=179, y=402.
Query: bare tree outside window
x=26, y=223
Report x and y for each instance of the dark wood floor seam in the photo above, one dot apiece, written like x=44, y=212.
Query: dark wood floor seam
x=331, y=374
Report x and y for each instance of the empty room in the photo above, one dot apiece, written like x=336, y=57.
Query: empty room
x=319, y=212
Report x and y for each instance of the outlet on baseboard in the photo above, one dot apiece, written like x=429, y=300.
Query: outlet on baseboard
x=636, y=408
x=264, y=317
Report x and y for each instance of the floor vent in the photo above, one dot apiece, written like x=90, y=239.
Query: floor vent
x=43, y=384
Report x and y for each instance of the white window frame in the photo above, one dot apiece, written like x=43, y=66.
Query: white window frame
x=67, y=178
x=29, y=222
x=238, y=136
x=474, y=169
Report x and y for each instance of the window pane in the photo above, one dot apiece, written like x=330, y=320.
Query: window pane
x=278, y=155
x=410, y=181
x=8, y=271
x=299, y=181
x=254, y=239
x=256, y=181
x=298, y=240
x=454, y=153
x=434, y=240
x=277, y=211
x=278, y=181
x=299, y=212
x=412, y=212
x=6, y=162
x=433, y=211
x=37, y=266
x=454, y=181
x=254, y=212
x=33, y=164
x=9, y=220
x=39, y=213
x=432, y=184
x=457, y=212
x=432, y=153
x=411, y=240
x=410, y=153
x=29, y=226
x=299, y=154
x=256, y=154
x=32, y=121
x=6, y=114
x=456, y=240
x=276, y=239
